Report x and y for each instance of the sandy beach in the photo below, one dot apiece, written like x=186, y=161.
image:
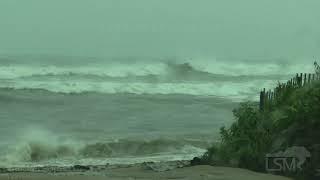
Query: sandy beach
x=142, y=171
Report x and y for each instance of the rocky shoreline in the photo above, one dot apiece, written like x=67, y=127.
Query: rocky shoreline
x=154, y=166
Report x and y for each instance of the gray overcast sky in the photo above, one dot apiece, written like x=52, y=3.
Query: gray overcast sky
x=210, y=28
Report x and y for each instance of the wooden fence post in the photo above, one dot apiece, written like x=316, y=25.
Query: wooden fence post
x=270, y=97
x=313, y=77
x=261, y=100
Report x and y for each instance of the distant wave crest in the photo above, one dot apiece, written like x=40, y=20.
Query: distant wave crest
x=224, y=80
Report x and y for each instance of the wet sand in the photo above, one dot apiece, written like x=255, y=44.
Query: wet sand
x=139, y=172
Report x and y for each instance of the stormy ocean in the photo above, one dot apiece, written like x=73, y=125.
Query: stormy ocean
x=57, y=110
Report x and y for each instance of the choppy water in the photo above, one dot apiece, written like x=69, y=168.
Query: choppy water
x=64, y=110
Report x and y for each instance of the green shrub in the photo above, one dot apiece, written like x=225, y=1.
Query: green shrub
x=294, y=119
x=246, y=142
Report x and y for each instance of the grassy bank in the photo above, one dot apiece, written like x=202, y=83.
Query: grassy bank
x=293, y=120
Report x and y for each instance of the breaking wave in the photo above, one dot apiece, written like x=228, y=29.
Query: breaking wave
x=158, y=78
x=184, y=70
x=49, y=153
x=237, y=81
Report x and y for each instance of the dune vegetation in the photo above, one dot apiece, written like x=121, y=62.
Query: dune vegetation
x=293, y=119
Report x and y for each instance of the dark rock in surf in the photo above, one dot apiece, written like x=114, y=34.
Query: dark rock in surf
x=81, y=168
x=165, y=166
x=3, y=170
x=195, y=161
